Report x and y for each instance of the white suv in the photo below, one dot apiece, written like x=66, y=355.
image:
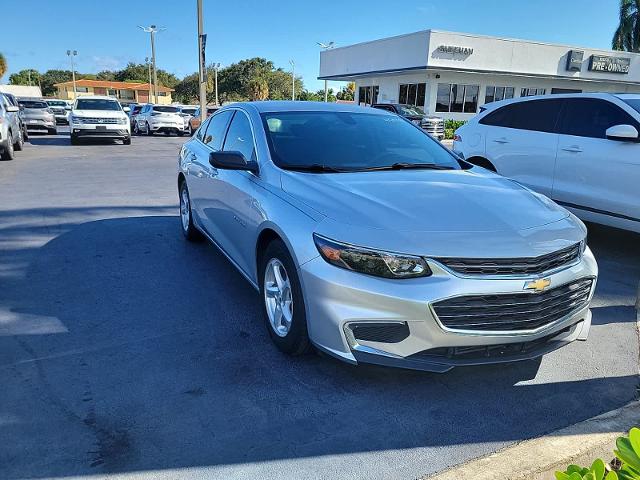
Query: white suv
x=99, y=117
x=159, y=118
x=581, y=150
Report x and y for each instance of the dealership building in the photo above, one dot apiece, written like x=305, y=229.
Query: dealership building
x=453, y=74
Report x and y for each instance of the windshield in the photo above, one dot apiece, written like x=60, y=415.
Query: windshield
x=410, y=111
x=97, y=104
x=347, y=141
x=165, y=109
x=33, y=104
x=634, y=102
x=56, y=103
x=188, y=111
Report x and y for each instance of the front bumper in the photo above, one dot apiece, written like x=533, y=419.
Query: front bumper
x=39, y=124
x=167, y=127
x=110, y=131
x=337, y=299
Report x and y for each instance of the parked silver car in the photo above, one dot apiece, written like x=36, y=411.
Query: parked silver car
x=371, y=241
x=10, y=133
x=37, y=115
x=60, y=109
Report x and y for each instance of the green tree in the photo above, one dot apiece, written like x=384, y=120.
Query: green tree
x=107, y=75
x=25, y=77
x=258, y=89
x=347, y=92
x=627, y=35
x=187, y=89
x=3, y=65
x=139, y=72
x=49, y=78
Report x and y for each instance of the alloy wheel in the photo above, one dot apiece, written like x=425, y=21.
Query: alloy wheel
x=185, y=208
x=278, y=297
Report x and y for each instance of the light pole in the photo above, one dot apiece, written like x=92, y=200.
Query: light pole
x=202, y=67
x=152, y=29
x=325, y=46
x=293, y=79
x=146, y=60
x=71, y=54
x=216, y=66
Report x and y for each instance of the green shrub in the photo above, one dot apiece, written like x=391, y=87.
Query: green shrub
x=628, y=453
x=453, y=124
x=448, y=133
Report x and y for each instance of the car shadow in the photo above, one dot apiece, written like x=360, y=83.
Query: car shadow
x=57, y=141
x=125, y=348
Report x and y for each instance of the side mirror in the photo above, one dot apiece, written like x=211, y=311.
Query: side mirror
x=232, y=161
x=12, y=108
x=624, y=133
x=126, y=109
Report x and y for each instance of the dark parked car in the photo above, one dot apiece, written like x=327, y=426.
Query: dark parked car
x=433, y=125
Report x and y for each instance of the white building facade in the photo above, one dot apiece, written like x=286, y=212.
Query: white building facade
x=453, y=74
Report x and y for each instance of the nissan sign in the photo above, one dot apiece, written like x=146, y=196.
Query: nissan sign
x=602, y=63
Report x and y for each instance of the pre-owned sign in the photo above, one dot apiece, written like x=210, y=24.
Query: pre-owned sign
x=602, y=63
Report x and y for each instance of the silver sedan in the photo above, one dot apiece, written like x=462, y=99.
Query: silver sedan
x=370, y=241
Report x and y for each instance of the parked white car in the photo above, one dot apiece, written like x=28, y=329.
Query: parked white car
x=99, y=117
x=581, y=150
x=159, y=118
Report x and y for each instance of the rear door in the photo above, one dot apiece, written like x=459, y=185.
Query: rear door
x=593, y=173
x=521, y=141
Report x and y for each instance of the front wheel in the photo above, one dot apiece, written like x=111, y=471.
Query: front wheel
x=148, y=129
x=52, y=131
x=18, y=145
x=189, y=130
x=282, y=299
x=189, y=230
x=126, y=141
x=9, y=152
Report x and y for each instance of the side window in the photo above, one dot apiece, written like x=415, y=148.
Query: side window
x=590, y=117
x=240, y=136
x=535, y=115
x=202, y=129
x=216, y=128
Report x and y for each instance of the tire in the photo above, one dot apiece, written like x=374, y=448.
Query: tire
x=189, y=130
x=18, y=145
x=52, y=131
x=189, y=230
x=167, y=133
x=8, y=153
x=136, y=130
x=288, y=329
x=181, y=133
x=74, y=140
x=126, y=141
x=25, y=134
x=148, y=129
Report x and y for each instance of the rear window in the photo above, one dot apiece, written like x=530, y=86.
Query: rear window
x=97, y=104
x=165, y=109
x=536, y=115
x=56, y=103
x=188, y=111
x=33, y=104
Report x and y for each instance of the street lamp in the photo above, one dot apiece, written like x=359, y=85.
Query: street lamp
x=216, y=66
x=152, y=29
x=325, y=46
x=202, y=66
x=293, y=79
x=71, y=54
x=146, y=60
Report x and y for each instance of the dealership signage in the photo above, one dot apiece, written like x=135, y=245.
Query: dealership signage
x=574, y=60
x=603, y=63
x=453, y=49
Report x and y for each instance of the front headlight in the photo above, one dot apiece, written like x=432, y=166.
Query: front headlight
x=122, y=121
x=371, y=262
x=76, y=120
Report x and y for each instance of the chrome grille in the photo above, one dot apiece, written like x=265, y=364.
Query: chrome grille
x=96, y=120
x=513, y=311
x=513, y=266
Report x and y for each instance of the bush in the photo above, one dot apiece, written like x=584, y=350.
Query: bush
x=626, y=465
x=448, y=133
x=453, y=124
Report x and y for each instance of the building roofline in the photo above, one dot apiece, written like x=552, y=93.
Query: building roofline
x=86, y=82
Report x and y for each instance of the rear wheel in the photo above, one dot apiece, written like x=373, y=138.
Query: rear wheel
x=18, y=145
x=189, y=129
x=282, y=299
x=148, y=129
x=189, y=230
x=8, y=153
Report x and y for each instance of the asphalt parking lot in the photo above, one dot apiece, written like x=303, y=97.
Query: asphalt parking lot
x=125, y=350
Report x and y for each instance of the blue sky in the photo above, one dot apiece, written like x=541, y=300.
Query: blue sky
x=37, y=33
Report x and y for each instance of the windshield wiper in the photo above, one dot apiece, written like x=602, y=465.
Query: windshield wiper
x=408, y=166
x=314, y=167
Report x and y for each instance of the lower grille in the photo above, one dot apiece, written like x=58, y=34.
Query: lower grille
x=513, y=266
x=513, y=311
x=380, y=332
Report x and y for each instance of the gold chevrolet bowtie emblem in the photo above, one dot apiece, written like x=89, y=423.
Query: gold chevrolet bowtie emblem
x=537, y=285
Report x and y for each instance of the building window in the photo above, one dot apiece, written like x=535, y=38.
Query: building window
x=162, y=94
x=82, y=89
x=457, y=98
x=126, y=94
x=412, y=93
x=368, y=95
x=495, y=94
x=530, y=92
x=113, y=93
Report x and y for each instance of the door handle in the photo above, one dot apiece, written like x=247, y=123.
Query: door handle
x=501, y=140
x=572, y=148
x=193, y=157
x=200, y=174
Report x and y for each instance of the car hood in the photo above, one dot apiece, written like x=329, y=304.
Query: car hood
x=36, y=113
x=446, y=207
x=99, y=113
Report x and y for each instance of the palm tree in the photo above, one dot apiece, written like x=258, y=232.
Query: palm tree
x=627, y=36
x=3, y=65
x=258, y=89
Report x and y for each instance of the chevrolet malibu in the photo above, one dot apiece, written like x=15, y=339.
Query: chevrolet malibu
x=370, y=241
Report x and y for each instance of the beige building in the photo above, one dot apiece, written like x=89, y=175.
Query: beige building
x=126, y=92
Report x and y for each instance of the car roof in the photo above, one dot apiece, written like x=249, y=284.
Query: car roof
x=304, y=106
x=96, y=97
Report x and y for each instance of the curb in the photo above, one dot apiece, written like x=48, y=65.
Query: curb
x=539, y=458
